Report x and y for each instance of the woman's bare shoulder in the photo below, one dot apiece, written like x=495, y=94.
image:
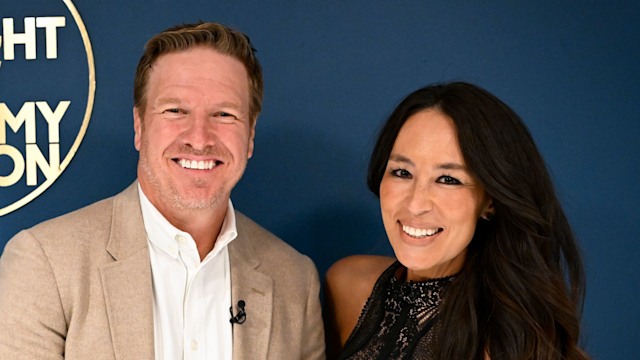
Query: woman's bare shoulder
x=348, y=284
x=358, y=270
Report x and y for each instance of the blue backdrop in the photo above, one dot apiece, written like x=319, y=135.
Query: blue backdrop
x=334, y=70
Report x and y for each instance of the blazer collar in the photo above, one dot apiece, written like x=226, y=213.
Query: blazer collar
x=248, y=283
x=127, y=282
x=128, y=288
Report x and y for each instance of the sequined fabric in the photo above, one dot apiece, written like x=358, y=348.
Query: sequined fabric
x=399, y=320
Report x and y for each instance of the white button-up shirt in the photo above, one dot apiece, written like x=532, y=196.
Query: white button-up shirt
x=191, y=299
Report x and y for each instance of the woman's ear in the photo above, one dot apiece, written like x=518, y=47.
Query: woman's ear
x=489, y=211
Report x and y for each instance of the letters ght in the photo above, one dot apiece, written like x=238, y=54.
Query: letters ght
x=10, y=38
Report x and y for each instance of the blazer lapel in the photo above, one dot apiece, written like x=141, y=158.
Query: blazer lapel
x=127, y=282
x=250, y=339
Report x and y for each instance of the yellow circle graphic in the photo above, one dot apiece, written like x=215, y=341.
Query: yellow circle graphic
x=85, y=122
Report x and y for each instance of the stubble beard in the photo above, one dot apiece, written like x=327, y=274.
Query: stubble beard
x=170, y=196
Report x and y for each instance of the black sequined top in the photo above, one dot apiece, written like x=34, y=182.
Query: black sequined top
x=400, y=319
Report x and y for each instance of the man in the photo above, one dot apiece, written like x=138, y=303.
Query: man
x=168, y=269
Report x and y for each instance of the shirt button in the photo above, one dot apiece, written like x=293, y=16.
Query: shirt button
x=181, y=239
x=173, y=251
x=194, y=345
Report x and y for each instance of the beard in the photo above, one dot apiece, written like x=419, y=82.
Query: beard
x=170, y=195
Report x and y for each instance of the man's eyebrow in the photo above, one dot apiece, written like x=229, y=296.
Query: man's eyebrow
x=167, y=100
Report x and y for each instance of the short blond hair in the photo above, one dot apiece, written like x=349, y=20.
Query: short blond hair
x=216, y=36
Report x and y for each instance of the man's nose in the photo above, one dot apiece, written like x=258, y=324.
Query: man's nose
x=200, y=132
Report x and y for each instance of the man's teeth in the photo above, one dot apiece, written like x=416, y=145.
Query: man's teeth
x=200, y=165
x=420, y=232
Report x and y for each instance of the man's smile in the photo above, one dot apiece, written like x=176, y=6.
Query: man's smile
x=197, y=164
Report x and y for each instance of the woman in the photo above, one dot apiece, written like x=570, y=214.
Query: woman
x=487, y=264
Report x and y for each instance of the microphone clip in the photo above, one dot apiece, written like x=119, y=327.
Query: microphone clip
x=241, y=316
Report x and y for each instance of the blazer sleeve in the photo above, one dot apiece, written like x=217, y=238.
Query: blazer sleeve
x=313, y=337
x=32, y=324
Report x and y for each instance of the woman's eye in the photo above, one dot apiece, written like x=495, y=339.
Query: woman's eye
x=401, y=173
x=448, y=180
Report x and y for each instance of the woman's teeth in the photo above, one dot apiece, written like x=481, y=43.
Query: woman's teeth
x=420, y=232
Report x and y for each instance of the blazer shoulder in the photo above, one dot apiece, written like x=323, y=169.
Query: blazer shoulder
x=89, y=222
x=92, y=219
x=86, y=232
x=262, y=239
x=272, y=256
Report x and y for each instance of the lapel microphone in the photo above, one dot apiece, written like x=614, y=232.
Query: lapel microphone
x=241, y=316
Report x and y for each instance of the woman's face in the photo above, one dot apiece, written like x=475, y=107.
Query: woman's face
x=430, y=202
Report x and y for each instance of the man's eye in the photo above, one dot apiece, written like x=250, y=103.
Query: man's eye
x=224, y=114
x=172, y=111
x=448, y=180
x=401, y=173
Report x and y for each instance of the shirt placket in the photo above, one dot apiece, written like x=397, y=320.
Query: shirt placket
x=192, y=344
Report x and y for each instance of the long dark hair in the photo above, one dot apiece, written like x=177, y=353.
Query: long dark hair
x=521, y=290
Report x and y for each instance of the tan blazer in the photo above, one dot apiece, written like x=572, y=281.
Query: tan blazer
x=80, y=287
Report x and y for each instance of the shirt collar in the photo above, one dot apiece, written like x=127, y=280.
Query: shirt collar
x=161, y=233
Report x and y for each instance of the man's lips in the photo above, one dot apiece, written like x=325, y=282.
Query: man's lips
x=197, y=164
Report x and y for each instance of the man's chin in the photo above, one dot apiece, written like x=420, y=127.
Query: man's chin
x=194, y=203
x=197, y=201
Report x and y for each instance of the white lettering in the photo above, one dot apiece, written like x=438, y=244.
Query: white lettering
x=51, y=25
x=26, y=115
x=53, y=118
x=18, y=165
x=10, y=38
x=34, y=159
x=28, y=38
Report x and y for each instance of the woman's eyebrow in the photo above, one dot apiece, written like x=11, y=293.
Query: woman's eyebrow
x=401, y=159
x=451, y=166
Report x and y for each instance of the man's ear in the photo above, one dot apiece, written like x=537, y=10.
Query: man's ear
x=137, y=128
x=252, y=136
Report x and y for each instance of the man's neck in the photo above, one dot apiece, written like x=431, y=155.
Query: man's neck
x=203, y=225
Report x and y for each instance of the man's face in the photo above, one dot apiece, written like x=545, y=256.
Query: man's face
x=195, y=137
